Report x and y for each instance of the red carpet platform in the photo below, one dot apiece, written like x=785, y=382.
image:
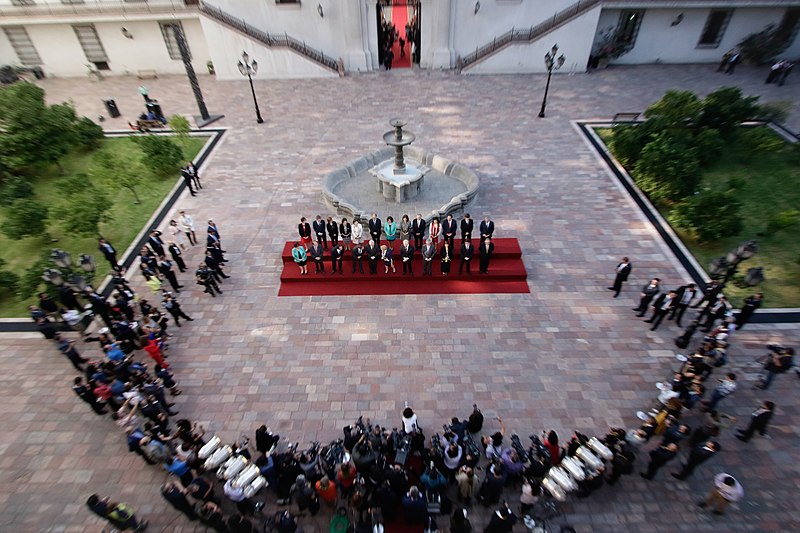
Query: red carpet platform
x=506, y=275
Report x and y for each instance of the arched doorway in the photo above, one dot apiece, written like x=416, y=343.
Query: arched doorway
x=399, y=24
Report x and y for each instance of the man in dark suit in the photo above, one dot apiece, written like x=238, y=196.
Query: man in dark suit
x=358, y=258
x=428, y=254
x=108, y=252
x=664, y=304
x=751, y=304
x=375, y=228
x=407, y=255
x=658, y=458
x=316, y=251
x=373, y=254
x=337, y=255
x=467, y=250
x=710, y=294
x=717, y=311
x=649, y=292
x=449, y=229
x=176, y=253
x=319, y=230
x=486, y=228
x=466, y=228
x=684, y=296
x=758, y=422
x=165, y=267
x=187, y=179
x=155, y=243
x=486, y=251
x=697, y=456
x=623, y=269
x=418, y=230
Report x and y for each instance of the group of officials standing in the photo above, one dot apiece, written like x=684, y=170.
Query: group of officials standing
x=345, y=237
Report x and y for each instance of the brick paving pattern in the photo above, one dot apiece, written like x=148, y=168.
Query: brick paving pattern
x=567, y=356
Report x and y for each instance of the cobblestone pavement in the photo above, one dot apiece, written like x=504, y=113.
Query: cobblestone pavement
x=567, y=356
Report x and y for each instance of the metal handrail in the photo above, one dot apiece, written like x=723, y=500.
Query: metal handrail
x=527, y=35
x=269, y=39
x=92, y=7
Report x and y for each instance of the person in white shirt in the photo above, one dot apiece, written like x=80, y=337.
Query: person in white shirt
x=409, y=420
x=187, y=223
x=724, y=389
x=726, y=490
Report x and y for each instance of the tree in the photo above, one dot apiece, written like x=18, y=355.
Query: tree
x=669, y=168
x=725, y=109
x=676, y=109
x=8, y=280
x=711, y=215
x=180, y=125
x=25, y=218
x=88, y=134
x=86, y=208
x=33, y=133
x=117, y=170
x=14, y=188
x=161, y=154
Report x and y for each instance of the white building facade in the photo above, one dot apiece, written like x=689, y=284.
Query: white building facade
x=318, y=38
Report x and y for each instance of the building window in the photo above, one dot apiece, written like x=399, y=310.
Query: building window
x=716, y=23
x=167, y=30
x=787, y=30
x=90, y=42
x=22, y=45
x=287, y=1
x=69, y=2
x=628, y=27
x=23, y=2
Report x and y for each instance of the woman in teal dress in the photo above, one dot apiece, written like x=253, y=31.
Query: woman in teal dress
x=390, y=228
x=300, y=257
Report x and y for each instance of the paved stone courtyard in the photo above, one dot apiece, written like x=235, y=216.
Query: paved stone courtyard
x=567, y=356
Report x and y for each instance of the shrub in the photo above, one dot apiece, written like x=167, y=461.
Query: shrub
x=8, y=280
x=161, y=154
x=88, y=134
x=627, y=142
x=726, y=108
x=25, y=218
x=781, y=220
x=676, y=109
x=710, y=215
x=777, y=112
x=14, y=188
x=709, y=146
x=180, y=125
x=87, y=206
x=755, y=141
x=668, y=169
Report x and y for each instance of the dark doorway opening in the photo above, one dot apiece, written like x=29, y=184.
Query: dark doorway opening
x=398, y=33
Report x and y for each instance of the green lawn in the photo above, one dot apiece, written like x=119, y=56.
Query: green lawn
x=766, y=184
x=127, y=218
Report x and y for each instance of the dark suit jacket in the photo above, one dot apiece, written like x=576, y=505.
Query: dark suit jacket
x=681, y=291
x=623, y=274
x=467, y=251
x=304, y=229
x=485, y=254
x=466, y=226
x=156, y=243
x=358, y=253
x=760, y=419
x=660, y=302
x=337, y=253
x=487, y=229
x=407, y=252
x=372, y=251
x=107, y=250
x=333, y=230
x=649, y=293
x=319, y=228
x=418, y=227
x=316, y=252
x=375, y=226
x=449, y=227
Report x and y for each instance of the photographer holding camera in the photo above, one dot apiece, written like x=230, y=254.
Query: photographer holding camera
x=779, y=361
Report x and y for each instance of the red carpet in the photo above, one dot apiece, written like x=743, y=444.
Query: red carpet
x=400, y=19
x=506, y=275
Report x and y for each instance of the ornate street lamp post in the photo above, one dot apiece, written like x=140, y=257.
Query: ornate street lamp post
x=249, y=68
x=551, y=63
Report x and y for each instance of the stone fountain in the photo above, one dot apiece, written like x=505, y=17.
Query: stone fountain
x=400, y=179
x=396, y=180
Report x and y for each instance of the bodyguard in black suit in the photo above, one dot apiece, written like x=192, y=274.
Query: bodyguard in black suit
x=449, y=229
x=466, y=228
x=487, y=229
x=751, y=303
x=467, y=251
x=165, y=267
x=758, y=422
x=664, y=304
x=710, y=294
x=623, y=270
x=175, y=252
x=375, y=228
x=108, y=252
x=418, y=230
x=697, y=456
x=155, y=242
x=649, y=292
x=658, y=458
x=685, y=295
x=319, y=230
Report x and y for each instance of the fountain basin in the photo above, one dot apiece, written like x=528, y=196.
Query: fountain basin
x=399, y=185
